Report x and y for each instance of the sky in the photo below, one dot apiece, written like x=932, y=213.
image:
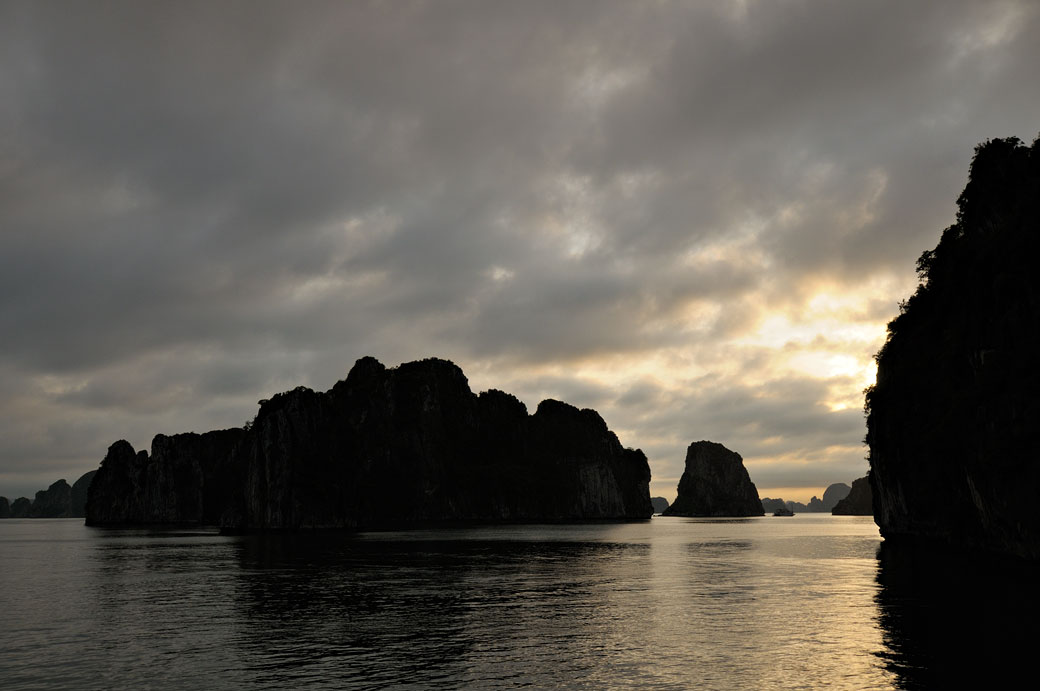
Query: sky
x=693, y=217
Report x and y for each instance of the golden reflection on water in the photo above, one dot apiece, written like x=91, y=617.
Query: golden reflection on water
x=801, y=602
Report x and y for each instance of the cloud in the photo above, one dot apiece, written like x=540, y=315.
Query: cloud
x=695, y=217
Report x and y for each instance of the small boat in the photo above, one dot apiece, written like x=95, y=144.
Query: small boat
x=782, y=511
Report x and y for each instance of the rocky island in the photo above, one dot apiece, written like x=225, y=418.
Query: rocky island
x=384, y=447
x=831, y=496
x=715, y=483
x=858, y=502
x=57, y=501
x=659, y=504
x=952, y=418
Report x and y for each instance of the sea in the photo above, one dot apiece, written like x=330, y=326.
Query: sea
x=806, y=602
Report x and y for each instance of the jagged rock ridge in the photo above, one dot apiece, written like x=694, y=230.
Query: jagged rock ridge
x=952, y=419
x=831, y=496
x=715, y=483
x=184, y=480
x=384, y=447
x=57, y=501
x=52, y=502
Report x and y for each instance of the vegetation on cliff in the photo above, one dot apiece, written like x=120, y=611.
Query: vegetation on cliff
x=952, y=418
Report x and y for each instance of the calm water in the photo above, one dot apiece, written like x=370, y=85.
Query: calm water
x=803, y=602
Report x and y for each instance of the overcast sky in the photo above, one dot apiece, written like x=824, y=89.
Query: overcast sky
x=694, y=217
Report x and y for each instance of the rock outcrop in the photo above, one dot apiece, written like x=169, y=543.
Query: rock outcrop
x=384, y=447
x=659, y=504
x=78, y=498
x=21, y=507
x=832, y=495
x=57, y=501
x=858, y=502
x=770, y=505
x=52, y=502
x=952, y=418
x=184, y=480
x=715, y=483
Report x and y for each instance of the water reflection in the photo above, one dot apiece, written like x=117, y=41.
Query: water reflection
x=430, y=611
x=668, y=603
x=948, y=617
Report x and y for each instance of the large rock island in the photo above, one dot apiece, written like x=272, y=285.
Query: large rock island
x=858, y=502
x=384, y=447
x=715, y=483
x=953, y=418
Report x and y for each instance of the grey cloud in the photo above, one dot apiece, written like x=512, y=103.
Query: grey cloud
x=207, y=202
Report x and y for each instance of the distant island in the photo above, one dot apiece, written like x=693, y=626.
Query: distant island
x=858, y=502
x=385, y=447
x=831, y=496
x=715, y=483
x=60, y=500
x=953, y=417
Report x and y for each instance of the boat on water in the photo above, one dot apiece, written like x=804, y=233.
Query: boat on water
x=782, y=511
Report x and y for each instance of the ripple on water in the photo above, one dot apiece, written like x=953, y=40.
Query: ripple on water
x=668, y=603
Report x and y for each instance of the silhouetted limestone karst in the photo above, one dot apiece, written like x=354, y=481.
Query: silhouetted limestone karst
x=770, y=505
x=185, y=480
x=715, y=483
x=78, y=498
x=57, y=501
x=659, y=504
x=858, y=502
x=833, y=494
x=52, y=502
x=20, y=507
x=796, y=506
x=384, y=447
x=952, y=418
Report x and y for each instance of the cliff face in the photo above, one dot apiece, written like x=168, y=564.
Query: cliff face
x=858, y=502
x=715, y=483
x=52, y=502
x=21, y=507
x=78, y=498
x=184, y=480
x=5, y=508
x=952, y=419
x=385, y=447
x=414, y=444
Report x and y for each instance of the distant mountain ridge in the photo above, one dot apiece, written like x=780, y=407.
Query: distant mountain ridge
x=831, y=496
x=57, y=501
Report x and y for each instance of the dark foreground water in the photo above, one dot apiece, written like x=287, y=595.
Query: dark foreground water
x=803, y=602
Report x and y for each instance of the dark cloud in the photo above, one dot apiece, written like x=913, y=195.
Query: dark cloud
x=202, y=203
